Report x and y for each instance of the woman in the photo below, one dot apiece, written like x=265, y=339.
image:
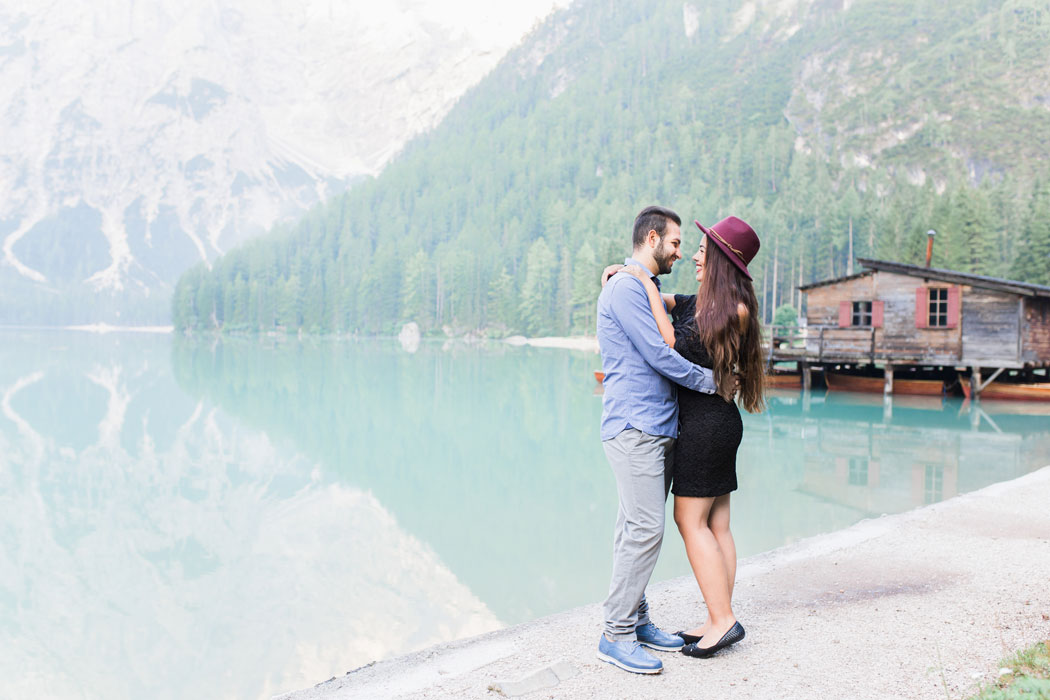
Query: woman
x=718, y=327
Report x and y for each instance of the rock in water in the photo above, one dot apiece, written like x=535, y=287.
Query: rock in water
x=409, y=336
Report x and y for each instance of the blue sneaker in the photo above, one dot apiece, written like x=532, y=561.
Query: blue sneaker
x=629, y=656
x=651, y=636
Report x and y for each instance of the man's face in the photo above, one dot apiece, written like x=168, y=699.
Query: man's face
x=669, y=250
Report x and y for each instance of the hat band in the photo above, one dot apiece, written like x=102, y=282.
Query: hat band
x=726, y=244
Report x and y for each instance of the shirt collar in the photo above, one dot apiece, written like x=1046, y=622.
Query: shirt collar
x=654, y=278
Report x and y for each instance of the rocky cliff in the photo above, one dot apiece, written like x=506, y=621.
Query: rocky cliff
x=142, y=137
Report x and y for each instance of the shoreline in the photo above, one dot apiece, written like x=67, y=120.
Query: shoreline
x=104, y=328
x=929, y=601
x=97, y=328
x=586, y=343
x=573, y=342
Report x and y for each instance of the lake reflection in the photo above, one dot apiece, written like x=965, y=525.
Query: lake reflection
x=192, y=518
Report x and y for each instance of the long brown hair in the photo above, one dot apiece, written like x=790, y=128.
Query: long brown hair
x=732, y=341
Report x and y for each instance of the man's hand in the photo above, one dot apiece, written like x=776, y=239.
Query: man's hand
x=609, y=272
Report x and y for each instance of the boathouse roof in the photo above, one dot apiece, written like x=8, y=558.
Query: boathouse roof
x=933, y=273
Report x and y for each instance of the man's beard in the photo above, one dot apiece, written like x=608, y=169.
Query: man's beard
x=663, y=263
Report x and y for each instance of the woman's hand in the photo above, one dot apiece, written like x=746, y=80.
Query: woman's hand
x=640, y=272
x=609, y=272
x=656, y=302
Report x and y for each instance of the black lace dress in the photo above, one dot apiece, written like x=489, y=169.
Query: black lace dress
x=710, y=428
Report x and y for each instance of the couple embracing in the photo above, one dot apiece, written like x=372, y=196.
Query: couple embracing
x=655, y=434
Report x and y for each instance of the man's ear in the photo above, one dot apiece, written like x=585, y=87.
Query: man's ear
x=653, y=239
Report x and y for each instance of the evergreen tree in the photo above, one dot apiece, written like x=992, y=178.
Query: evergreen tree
x=418, y=302
x=1033, y=260
x=206, y=304
x=537, y=294
x=973, y=241
x=585, y=289
x=288, y=303
x=503, y=302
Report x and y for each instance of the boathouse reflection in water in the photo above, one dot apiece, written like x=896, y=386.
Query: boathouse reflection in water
x=880, y=455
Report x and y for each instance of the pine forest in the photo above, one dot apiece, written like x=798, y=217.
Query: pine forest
x=837, y=129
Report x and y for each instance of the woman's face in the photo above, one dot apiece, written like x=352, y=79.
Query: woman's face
x=699, y=258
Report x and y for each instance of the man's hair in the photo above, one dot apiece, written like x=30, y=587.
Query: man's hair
x=652, y=219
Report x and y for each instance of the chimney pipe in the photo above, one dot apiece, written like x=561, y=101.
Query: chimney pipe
x=929, y=245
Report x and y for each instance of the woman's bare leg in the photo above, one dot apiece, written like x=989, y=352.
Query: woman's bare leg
x=719, y=523
x=708, y=563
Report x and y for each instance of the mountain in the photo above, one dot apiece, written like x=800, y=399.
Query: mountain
x=838, y=128
x=142, y=137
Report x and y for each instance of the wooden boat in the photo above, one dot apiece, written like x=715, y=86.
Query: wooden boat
x=784, y=381
x=787, y=381
x=875, y=385
x=1005, y=391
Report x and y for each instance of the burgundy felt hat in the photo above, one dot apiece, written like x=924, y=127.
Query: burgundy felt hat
x=736, y=239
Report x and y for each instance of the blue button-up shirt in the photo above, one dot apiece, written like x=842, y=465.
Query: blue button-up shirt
x=639, y=366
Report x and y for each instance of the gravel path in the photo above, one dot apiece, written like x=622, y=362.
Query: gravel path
x=918, y=605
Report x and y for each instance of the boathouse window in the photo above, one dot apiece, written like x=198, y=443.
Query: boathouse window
x=938, y=317
x=861, y=313
x=865, y=314
x=937, y=307
x=858, y=471
x=933, y=484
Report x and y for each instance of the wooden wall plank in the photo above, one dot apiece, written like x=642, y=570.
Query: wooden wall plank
x=1036, y=331
x=990, y=326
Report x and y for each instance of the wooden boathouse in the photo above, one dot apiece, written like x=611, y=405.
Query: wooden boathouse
x=897, y=316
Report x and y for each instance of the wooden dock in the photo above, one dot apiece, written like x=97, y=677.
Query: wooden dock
x=895, y=317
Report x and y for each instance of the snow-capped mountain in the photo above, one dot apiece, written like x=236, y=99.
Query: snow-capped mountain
x=140, y=137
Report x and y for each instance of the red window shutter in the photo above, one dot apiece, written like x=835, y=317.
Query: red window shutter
x=845, y=314
x=922, y=307
x=953, y=307
x=877, y=309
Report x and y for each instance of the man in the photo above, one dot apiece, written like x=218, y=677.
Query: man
x=639, y=426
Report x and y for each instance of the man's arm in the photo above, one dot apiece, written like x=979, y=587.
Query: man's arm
x=630, y=306
x=611, y=270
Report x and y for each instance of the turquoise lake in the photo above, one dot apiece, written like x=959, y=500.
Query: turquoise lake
x=242, y=517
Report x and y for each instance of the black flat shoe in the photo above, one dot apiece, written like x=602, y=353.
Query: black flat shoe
x=734, y=635
x=688, y=638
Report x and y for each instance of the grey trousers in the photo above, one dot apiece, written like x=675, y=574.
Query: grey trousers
x=642, y=466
